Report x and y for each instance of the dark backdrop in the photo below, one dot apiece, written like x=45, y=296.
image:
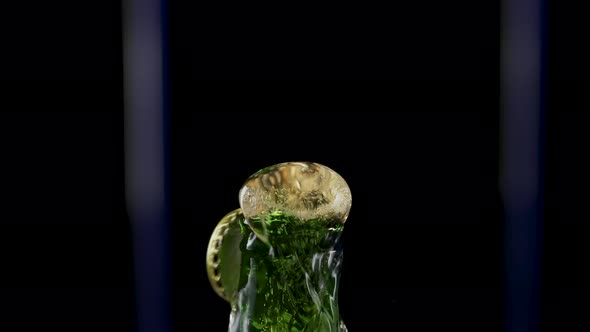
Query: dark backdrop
x=423, y=244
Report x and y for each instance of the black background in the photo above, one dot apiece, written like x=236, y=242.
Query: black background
x=424, y=241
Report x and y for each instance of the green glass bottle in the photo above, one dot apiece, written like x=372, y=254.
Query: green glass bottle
x=276, y=259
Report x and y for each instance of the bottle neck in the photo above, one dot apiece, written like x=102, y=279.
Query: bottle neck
x=289, y=290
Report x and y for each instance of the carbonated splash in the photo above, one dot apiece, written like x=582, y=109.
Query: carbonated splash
x=276, y=260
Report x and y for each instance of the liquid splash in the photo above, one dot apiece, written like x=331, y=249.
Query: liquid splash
x=277, y=259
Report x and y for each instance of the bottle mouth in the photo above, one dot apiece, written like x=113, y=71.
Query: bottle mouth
x=305, y=190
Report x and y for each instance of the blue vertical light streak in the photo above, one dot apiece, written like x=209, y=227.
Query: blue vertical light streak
x=146, y=152
x=523, y=85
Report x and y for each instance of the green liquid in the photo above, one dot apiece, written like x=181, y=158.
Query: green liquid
x=289, y=276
